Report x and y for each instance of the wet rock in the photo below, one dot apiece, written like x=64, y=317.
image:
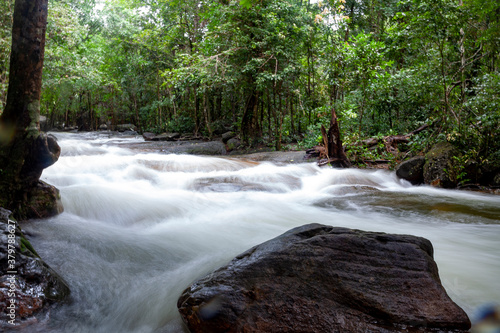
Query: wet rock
x=318, y=278
x=27, y=281
x=45, y=151
x=148, y=136
x=129, y=133
x=412, y=170
x=233, y=143
x=439, y=167
x=489, y=173
x=103, y=127
x=43, y=201
x=201, y=148
x=227, y=136
x=279, y=157
x=125, y=127
x=166, y=137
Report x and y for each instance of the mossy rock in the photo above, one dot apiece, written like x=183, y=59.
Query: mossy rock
x=43, y=201
x=440, y=166
x=36, y=285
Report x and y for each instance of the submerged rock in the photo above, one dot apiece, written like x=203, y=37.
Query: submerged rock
x=318, y=278
x=27, y=284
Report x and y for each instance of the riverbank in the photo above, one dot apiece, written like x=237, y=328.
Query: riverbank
x=216, y=147
x=144, y=225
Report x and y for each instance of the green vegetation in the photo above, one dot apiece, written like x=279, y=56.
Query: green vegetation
x=272, y=70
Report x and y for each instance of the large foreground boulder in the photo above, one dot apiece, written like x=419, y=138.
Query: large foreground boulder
x=27, y=284
x=318, y=278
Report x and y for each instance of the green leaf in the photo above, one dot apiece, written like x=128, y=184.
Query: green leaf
x=246, y=3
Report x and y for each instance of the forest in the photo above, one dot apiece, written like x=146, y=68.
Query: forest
x=273, y=71
x=140, y=238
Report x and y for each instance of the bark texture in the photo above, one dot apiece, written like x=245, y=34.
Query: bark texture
x=24, y=151
x=333, y=145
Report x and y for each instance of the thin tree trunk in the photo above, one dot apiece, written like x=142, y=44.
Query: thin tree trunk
x=269, y=116
x=159, y=120
x=206, y=113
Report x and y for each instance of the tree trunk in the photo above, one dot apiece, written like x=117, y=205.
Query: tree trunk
x=248, y=118
x=333, y=145
x=24, y=151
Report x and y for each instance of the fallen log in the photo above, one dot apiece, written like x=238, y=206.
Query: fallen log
x=391, y=142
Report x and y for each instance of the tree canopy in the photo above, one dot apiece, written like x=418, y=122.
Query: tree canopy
x=273, y=70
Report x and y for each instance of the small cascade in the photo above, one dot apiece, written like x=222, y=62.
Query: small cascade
x=139, y=227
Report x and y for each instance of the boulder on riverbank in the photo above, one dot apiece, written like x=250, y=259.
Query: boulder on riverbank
x=27, y=281
x=439, y=167
x=318, y=278
x=412, y=170
x=125, y=127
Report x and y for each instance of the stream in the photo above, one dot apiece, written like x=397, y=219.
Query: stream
x=139, y=227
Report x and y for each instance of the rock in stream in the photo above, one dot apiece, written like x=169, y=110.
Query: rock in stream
x=27, y=284
x=318, y=278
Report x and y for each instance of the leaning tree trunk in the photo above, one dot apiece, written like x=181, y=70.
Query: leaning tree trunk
x=24, y=151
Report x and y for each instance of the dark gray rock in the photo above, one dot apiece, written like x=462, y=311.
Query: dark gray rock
x=204, y=148
x=166, y=137
x=129, y=133
x=440, y=167
x=148, y=136
x=125, y=127
x=318, y=278
x=42, y=201
x=34, y=285
x=227, y=136
x=412, y=170
x=496, y=180
x=489, y=173
x=233, y=143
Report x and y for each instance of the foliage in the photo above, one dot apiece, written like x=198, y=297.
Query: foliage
x=6, y=12
x=272, y=70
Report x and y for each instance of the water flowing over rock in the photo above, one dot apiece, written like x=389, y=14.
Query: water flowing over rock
x=33, y=285
x=318, y=278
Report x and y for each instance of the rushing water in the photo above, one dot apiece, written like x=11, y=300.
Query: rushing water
x=138, y=227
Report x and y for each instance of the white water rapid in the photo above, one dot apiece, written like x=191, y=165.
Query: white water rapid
x=139, y=227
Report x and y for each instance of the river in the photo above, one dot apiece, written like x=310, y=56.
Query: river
x=139, y=227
